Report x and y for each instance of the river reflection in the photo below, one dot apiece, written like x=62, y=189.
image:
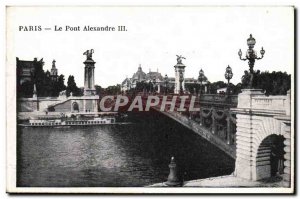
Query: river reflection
x=134, y=154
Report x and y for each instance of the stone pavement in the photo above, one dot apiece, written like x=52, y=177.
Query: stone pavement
x=230, y=181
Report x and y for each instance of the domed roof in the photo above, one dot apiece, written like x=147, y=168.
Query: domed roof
x=139, y=75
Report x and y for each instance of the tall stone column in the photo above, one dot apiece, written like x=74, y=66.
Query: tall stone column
x=90, y=98
x=179, y=69
x=89, y=82
x=93, y=76
x=85, y=77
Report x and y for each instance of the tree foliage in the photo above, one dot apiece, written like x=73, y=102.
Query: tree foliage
x=99, y=90
x=45, y=86
x=193, y=88
x=275, y=83
x=72, y=87
x=113, y=90
x=110, y=90
x=213, y=87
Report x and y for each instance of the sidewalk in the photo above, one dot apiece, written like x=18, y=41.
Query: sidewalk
x=229, y=181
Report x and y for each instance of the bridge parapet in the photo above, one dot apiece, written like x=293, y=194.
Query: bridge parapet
x=220, y=99
x=276, y=103
x=255, y=99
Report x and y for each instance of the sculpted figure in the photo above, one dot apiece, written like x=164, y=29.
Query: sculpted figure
x=89, y=54
x=179, y=59
x=62, y=93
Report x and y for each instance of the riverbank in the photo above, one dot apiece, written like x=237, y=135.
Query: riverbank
x=229, y=181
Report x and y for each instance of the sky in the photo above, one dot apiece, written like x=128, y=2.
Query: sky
x=208, y=37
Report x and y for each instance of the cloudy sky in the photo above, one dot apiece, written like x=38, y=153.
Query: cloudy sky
x=209, y=38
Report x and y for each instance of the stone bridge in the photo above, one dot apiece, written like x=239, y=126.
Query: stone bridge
x=257, y=131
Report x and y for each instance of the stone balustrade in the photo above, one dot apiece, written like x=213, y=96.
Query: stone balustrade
x=278, y=103
x=231, y=100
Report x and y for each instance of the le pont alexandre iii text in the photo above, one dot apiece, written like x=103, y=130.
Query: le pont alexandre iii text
x=68, y=28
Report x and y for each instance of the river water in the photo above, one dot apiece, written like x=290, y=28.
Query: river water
x=135, y=154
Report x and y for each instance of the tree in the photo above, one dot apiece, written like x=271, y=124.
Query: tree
x=191, y=87
x=113, y=90
x=72, y=87
x=59, y=85
x=236, y=89
x=275, y=83
x=140, y=86
x=213, y=87
x=99, y=90
x=26, y=89
x=39, y=78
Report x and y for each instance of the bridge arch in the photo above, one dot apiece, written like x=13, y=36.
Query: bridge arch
x=262, y=128
x=270, y=157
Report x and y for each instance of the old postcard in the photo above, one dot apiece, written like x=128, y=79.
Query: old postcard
x=150, y=99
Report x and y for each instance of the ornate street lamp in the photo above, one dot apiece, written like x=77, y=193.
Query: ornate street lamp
x=251, y=56
x=166, y=81
x=150, y=86
x=154, y=84
x=228, y=76
x=201, y=78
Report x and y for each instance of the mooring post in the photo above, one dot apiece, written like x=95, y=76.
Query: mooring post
x=173, y=180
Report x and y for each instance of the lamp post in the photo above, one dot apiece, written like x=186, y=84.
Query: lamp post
x=228, y=76
x=201, y=78
x=154, y=84
x=144, y=88
x=150, y=86
x=166, y=81
x=251, y=56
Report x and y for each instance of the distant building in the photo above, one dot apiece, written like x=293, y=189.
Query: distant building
x=221, y=90
x=151, y=76
x=140, y=76
x=154, y=75
x=26, y=69
x=125, y=85
x=54, y=72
